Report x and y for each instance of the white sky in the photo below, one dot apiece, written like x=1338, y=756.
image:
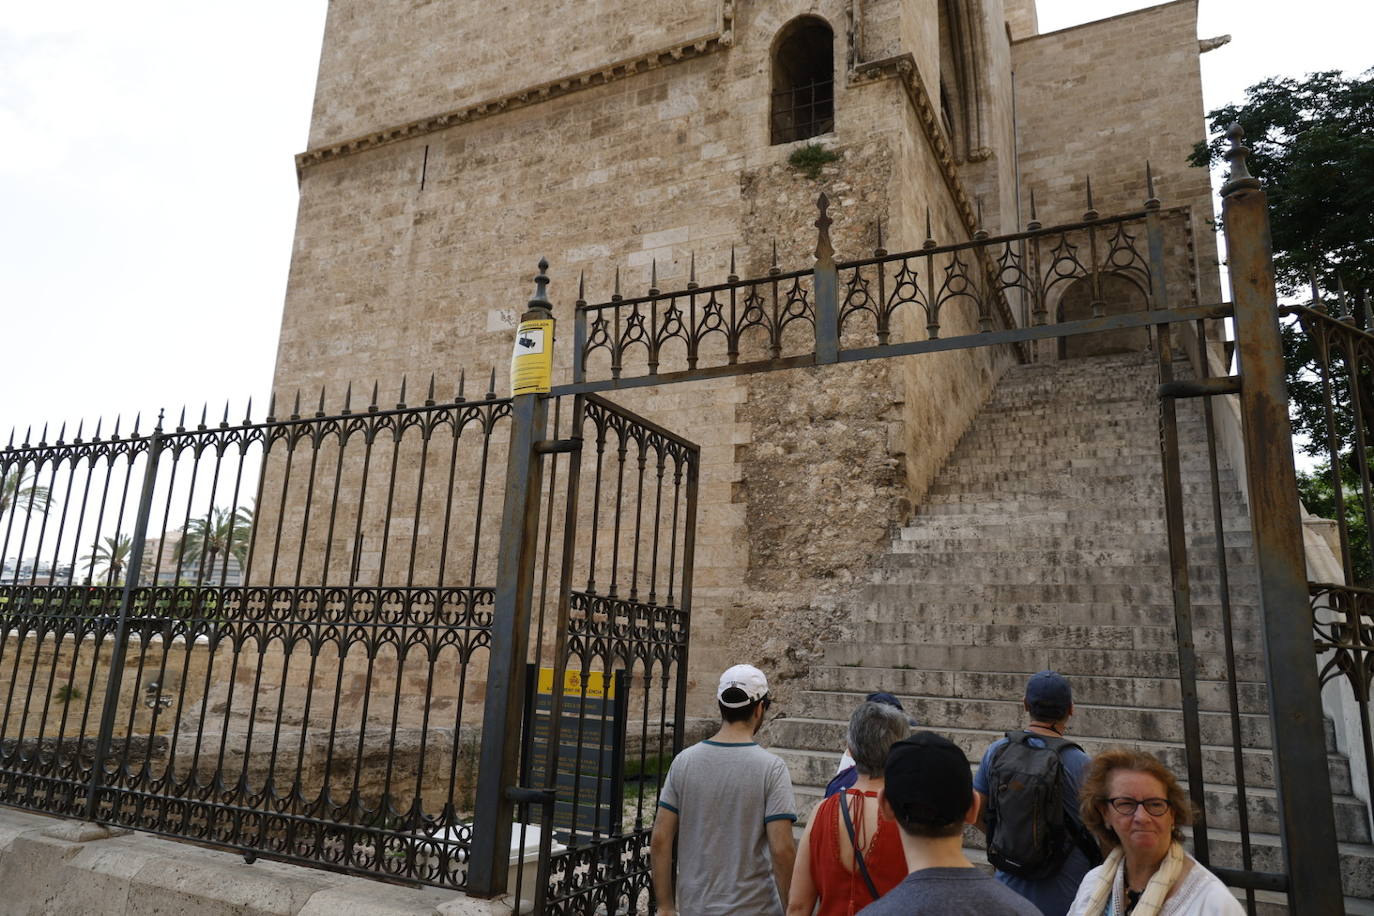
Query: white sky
x=148, y=190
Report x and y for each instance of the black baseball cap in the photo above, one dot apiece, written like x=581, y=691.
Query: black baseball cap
x=927, y=780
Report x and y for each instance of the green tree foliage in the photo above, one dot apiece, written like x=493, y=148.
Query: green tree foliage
x=22, y=491
x=1312, y=144
x=111, y=556
x=208, y=540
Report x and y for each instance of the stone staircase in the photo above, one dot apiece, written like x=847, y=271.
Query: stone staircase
x=1042, y=544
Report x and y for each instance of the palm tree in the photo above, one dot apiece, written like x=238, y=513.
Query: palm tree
x=112, y=555
x=212, y=539
x=18, y=489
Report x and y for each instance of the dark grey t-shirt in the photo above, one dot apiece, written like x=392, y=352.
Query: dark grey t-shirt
x=950, y=892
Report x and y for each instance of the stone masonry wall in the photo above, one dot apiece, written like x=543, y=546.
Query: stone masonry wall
x=414, y=257
x=1102, y=98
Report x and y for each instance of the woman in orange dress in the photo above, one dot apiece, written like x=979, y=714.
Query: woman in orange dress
x=826, y=870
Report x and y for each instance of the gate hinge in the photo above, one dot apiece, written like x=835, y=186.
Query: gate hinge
x=1226, y=384
x=551, y=446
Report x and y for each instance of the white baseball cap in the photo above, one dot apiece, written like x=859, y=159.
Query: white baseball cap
x=745, y=678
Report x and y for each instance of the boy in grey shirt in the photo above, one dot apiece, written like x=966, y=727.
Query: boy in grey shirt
x=928, y=790
x=729, y=805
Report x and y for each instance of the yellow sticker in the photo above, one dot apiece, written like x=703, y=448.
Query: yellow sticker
x=531, y=364
x=597, y=685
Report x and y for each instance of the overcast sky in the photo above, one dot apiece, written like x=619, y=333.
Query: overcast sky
x=148, y=190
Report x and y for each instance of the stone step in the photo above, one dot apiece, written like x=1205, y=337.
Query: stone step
x=1252, y=696
x=921, y=540
x=1150, y=555
x=1071, y=661
x=1000, y=715
x=998, y=593
x=1067, y=486
x=1218, y=761
x=877, y=609
x=1056, y=525
x=812, y=770
x=1008, y=569
x=922, y=631
x=1129, y=506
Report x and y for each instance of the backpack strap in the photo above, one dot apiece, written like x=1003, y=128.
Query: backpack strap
x=858, y=855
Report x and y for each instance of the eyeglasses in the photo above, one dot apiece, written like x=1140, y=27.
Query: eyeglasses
x=1124, y=804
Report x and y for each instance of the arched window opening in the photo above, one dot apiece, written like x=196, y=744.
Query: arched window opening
x=1120, y=295
x=803, y=81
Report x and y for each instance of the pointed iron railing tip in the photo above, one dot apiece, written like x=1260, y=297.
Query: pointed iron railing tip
x=1237, y=158
x=692, y=269
x=113, y=435
x=462, y=380
x=1151, y=201
x=1316, y=290
x=615, y=295
x=348, y=398
x=376, y=384
x=271, y=409
x=1346, y=311
x=491, y=383
x=930, y=236
x=979, y=231
x=653, y=276
x=138, y=418
x=99, y=421
x=28, y=433
x=11, y=444
x=43, y=438
x=1091, y=212
x=1034, y=217
x=80, y=428
x=319, y=411
x=62, y=432
x=582, y=286
x=404, y=379
x=181, y=421
x=296, y=406
x=429, y=395
x=879, y=227
x=732, y=261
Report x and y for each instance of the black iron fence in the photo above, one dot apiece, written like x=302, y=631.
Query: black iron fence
x=1114, y=271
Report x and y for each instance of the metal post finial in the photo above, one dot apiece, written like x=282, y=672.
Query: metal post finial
x=540, y=300
x=582, y=287
x=825, y=252
x=1151, y=200
x=881, y=250
x=1240, y=178
x=930, y=237
x=1034, y=223
x=733, y=276
x=980, y=232
x=653, y=277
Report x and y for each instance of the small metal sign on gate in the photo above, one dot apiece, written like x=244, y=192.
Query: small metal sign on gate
x=591, y=749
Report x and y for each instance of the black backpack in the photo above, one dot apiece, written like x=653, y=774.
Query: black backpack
x=1028, y=833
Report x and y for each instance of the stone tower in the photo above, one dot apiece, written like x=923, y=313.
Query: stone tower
x=453, y=142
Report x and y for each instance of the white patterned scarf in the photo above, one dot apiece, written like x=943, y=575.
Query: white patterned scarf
x=1152, y=901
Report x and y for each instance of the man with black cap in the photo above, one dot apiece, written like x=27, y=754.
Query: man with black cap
x=729, y=805
x=928, y=790
x=1029, y=785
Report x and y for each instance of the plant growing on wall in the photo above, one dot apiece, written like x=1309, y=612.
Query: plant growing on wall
x=811, y=158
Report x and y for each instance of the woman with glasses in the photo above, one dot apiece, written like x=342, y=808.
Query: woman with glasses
x=1135, y=807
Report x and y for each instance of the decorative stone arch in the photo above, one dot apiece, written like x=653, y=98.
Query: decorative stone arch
x=961, y=78
x=1120, y=292
x=803, y=69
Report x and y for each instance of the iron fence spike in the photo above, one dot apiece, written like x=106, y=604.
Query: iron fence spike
x=29, y=432
x=930, y=236
x=880, y=250
x=296, y=406
x=271, y=409
x=98, y=422
x=1341, y=297
x=1091, y=212
x=224, y=421
x=1034, y=218
x=80, y=428
x=692, y=270
x=732, y=262
x=138, y=418
x=348, y=399
x=429, y=395
x=43, y=437
x=319, y=411
x=462, y=380
x=582, y=287
x=113, y=435
x=653, y=277
x=615, y=296
x=402, y=404
x=62, y=432
x=1316, y=290
x=491, y=383
x=1151, y=201
x=372, y=405
x=181, y=423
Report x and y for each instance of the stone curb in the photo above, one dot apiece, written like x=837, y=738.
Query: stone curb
x=52, y=866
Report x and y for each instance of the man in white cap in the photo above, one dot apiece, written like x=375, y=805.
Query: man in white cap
x=729, y=805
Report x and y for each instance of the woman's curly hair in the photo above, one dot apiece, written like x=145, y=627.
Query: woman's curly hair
x=1092, y=795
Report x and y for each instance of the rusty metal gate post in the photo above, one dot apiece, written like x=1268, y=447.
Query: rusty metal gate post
x=499, y=756
x=1295, y=710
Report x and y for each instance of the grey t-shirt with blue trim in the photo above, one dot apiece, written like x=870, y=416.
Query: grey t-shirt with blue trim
x=724, y=796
